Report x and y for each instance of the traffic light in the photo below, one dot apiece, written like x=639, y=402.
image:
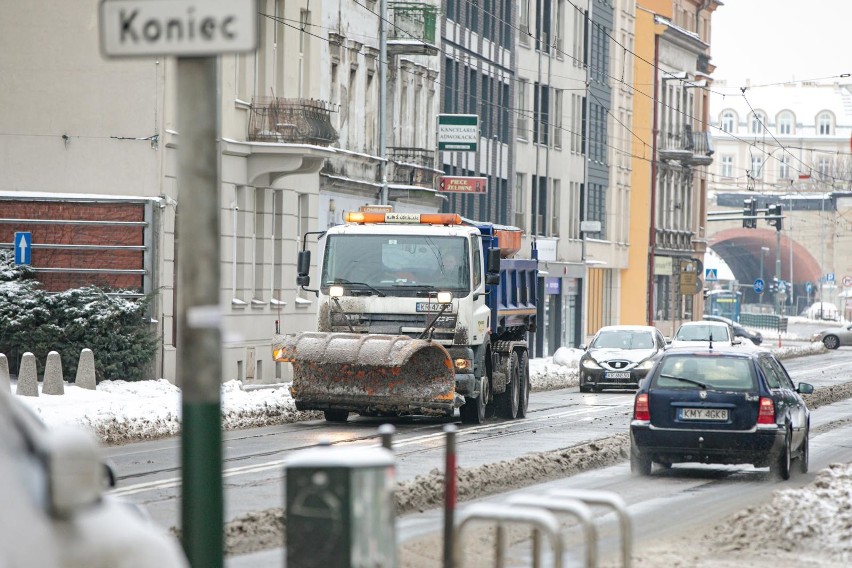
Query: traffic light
x=773, y=286
x=749, y=212
x=773, y=214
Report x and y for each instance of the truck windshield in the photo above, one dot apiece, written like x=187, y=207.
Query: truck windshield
x=390, y=261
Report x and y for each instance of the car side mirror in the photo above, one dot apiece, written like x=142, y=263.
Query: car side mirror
x=303, y=265
x=736, y=341
x=805, y=388
x=668, y=340
x=583, y=346
x=75, y=470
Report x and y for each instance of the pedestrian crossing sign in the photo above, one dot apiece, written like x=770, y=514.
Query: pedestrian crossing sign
x=711, y=274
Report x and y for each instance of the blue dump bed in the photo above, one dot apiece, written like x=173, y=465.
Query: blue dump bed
x=514, y=300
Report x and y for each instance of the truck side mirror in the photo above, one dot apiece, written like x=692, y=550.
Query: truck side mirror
x=494, y=261
x=492, y=279
x=303, y=265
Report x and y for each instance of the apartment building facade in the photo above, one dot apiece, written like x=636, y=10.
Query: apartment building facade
x=299, y=146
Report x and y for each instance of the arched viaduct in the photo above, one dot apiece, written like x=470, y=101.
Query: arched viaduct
x=742, y=250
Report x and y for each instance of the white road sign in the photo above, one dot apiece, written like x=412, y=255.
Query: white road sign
x=177, y=27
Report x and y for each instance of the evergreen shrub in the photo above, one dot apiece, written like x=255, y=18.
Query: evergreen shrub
x=112, y=326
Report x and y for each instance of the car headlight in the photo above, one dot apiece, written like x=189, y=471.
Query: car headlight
x=645, y=365
x=590, y=364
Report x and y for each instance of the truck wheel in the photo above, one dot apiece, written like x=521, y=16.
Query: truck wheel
x=510, y=399
x=336, y=415
x=473, y=410
x=524, y=373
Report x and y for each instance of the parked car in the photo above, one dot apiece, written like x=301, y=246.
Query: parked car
x=690, y=333
x=821, y=310
x=720, y=407
x=834, y=337
x=619, y=356
x=55, y=508
x=739, y=331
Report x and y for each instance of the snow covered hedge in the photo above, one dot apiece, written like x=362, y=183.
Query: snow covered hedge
x=39, y=322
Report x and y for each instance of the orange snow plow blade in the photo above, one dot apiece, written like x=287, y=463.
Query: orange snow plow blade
x=368, y=373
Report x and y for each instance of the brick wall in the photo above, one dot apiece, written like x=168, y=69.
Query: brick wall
x=79, y=234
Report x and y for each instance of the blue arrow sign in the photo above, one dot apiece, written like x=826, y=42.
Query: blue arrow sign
x=23, y=247
x=759, y=284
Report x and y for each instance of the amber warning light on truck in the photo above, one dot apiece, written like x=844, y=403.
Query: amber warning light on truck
x=462, y=184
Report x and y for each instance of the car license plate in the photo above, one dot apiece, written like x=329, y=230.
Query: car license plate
x=717, y=414
x=617, y=375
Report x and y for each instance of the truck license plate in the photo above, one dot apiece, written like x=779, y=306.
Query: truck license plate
x=617, y=375
x=433, y=307
x=714, y=414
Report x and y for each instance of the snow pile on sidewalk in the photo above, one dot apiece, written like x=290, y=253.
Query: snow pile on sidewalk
x=816, y=518
x=557, y=372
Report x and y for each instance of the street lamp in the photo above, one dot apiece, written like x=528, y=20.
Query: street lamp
x=763, y=251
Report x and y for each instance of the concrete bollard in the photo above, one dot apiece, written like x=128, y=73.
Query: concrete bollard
x=85, y=378
x=4, y=373
x=27, y=376
x=53, y=381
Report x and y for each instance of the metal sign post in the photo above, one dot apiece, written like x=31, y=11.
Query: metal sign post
x=196, y=32
x=199, y=341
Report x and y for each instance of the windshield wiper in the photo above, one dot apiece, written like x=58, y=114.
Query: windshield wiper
x=696, y=383
x=345, y=281
x=406, y=285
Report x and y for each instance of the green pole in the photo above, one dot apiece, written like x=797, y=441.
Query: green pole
x=199, y=362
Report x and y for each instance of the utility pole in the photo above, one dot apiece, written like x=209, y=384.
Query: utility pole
x=383, y=97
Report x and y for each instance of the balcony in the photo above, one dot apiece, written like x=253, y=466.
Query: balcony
x=411, y=166
x=676, y=145
x=412, y=29
x=702, y=151
x=293, y=121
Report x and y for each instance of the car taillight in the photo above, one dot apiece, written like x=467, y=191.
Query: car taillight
x=640, y=408
x=766, y=411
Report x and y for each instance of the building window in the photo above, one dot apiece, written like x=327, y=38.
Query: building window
x=824, y=167
x=785, y=123
x=557, y=118
x=520, y=201
x=824, y=124
x=259, y=242
x=276, y=295
x=727, y=166
x=728, y=121
x=541, y=113
x=756, y=171
x=784, y=167
x=538, y=210
x=555, y=208
x=239, y=212
x=758, y=120
x=523, y=109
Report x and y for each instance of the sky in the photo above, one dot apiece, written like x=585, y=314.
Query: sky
x=769, y=41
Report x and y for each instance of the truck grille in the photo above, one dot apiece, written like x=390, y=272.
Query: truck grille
x=394, y=324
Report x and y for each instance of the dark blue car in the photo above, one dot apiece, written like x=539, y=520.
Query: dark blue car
x=720, y=407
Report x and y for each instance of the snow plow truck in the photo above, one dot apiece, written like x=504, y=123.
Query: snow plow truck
x=418, y=314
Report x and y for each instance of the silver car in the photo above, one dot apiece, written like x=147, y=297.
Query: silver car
x=834, y=337
x=56, y=512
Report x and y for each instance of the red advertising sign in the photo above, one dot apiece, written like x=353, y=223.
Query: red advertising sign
x=460, y=184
